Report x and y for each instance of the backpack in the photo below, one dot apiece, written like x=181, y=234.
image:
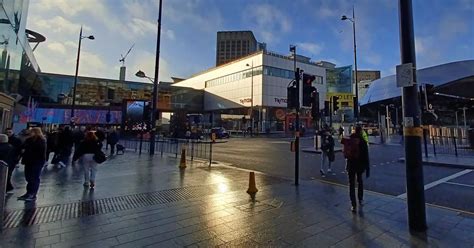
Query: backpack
x=351, y=148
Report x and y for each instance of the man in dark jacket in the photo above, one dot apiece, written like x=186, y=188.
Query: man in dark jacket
x=6, y=155
x=16, y=143
x=112, y=140
x=65, y=143
x=356, y=152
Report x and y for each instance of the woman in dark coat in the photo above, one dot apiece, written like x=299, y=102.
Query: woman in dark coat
x=33, y=157
x=85, y=152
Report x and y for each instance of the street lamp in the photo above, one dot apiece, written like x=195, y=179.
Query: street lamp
x=90, y=37
x=141, y=74
x=356, y=100
x=251, y=100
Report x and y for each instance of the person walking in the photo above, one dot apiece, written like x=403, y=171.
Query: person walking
x=112, y=140
x=85, y=154
x=356, y=152
x=16, y=143
x=6, y=155
x=327, y=152
x=33, y=157
x=65, y=143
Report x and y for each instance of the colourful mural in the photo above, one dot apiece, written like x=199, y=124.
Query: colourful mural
x=62, y=116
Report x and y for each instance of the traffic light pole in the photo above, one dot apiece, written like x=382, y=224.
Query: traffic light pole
x=297, y=132
x=412, y=130
x=330, y=112
x=155, y=85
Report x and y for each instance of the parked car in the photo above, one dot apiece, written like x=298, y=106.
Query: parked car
x=220, y=132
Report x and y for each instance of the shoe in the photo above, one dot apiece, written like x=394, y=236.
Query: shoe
x=23, y=197
x=92, y=185
x=61, y=164
x=353, y=209
x=322, y=173
x=329, y=170
x=30, y=198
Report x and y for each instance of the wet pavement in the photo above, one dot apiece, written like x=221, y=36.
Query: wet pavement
x=139, y=202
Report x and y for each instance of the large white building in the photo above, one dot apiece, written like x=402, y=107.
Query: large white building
x=261, y=78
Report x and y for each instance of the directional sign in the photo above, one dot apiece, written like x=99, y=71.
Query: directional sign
x=405, y=75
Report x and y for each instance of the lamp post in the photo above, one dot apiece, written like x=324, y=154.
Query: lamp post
x=73, y=106
x=356, y=100
x=152, y=120
x=251, y=100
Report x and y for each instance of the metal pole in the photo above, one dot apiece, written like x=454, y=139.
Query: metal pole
x=464, y=113
x=412, y=130
x=457, y=122
x=251, y=102
x=356, y=106
x=75, y=78
x=155, y=85
x=387, y=121
x=297, y=133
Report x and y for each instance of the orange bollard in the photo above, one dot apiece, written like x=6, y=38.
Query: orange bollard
x=252, y=187
x=182, y=163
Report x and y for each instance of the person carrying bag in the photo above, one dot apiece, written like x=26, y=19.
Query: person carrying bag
x=89, y=154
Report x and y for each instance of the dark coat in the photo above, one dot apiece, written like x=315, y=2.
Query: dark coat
x=362, y=163
x=6, y=153
x=100, y=135
x=86, y=147
x=15, y=142
x=112, y=138
x=34, y=151
x=65, y=139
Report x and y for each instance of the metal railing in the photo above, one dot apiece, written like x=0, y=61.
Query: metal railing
x=195, y=148
x=449, y=145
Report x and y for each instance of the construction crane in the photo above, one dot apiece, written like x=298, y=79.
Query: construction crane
x=124, y=57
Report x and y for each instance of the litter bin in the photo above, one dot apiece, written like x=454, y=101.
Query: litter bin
x=3, y=186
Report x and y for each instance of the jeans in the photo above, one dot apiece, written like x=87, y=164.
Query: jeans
x=90, y=168
x=65, y=154
x=112, y=148
x=32, y=176
x=360, y=186
x=324, y=158
x=11, y=167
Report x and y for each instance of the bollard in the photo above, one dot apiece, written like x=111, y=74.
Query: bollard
x=182, y=163
x=252, y=190
x=3, y=186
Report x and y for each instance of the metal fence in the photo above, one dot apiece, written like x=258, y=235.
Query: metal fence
x=195, y=148
x=447, y=141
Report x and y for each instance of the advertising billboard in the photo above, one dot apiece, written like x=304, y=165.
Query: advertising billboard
x=339, y=80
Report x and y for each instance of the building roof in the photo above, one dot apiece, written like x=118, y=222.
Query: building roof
x=386, y=87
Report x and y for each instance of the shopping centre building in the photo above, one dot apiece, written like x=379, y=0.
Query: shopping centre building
x=255, y=87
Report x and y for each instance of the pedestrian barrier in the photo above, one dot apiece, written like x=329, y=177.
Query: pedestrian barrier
x=449, y=146
x=182, y=163
x=3, y=186
x=196, y=148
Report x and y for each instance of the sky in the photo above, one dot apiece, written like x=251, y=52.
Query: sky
x=444, y=31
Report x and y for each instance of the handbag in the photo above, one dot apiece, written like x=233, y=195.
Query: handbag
x=99, y=157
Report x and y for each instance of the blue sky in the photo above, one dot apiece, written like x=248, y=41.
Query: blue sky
x=444, y=32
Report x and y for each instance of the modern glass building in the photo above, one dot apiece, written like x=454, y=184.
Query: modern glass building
x=18, y=67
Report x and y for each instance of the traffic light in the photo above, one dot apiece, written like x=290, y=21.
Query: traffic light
x=327, y=106
x=307, y=89
x=335, y=106
x=147, y=112
x=292, y=97
x=315, y=105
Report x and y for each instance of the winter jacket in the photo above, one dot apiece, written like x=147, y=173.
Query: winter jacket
x=34, y=151
x=86, y=147
x=6, y=153
x=362, y=163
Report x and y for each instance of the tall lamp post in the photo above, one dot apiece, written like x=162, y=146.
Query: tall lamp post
x=251, y=100
x=356, y=100
x=152, y=120
x=90, y=37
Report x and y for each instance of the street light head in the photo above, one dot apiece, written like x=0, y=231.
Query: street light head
x=247, y=64
x=91, y=37
x=140, y=74
x=344, y=18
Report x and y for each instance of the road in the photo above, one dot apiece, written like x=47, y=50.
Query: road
x=448, y=187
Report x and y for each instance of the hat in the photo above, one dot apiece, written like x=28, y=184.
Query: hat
x=3, y=138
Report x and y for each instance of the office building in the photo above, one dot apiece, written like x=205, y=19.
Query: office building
x=232, y=45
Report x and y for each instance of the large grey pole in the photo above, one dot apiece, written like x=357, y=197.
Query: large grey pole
x=356, y=105
x=72, y=121
x=412, y=130
x=155, y=85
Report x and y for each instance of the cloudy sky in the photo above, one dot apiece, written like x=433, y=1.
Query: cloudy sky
x=444, y=32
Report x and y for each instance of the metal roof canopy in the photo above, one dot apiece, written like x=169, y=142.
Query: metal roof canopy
x=456, y=78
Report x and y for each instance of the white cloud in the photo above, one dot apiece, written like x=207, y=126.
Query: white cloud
x=57, y=24
x=312, y=48
x=145, y=61
x=142, y=27
x=268, y=21
x=450, y=26
x=57, y=47
x=372, y=58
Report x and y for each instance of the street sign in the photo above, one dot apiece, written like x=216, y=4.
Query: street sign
x=405, y=75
